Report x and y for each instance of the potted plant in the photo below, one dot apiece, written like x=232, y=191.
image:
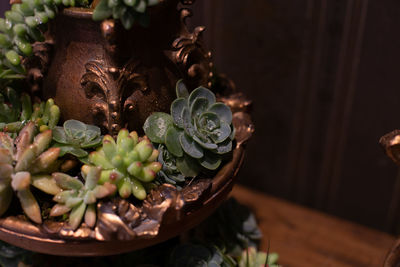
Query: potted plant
x=116, y=132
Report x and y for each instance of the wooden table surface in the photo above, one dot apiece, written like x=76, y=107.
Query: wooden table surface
x=304, y=237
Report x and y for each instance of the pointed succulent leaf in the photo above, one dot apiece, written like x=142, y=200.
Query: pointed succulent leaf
x=102, y=11
x=93, y=143
x=63, y=196
x=176, y=111
x=76, y=215
x=6, y=170
x=67, y=182
x=42, y=141
x=99, y=159
x=45, y=160
x=223, y=112
x=181, y=90
x=29, y=205
x=156, y=126
x=92, y=177
x=102, y=191
x=46, y=184
x=26, y=159
x=172, y=141
x=73, y=201
x=191, y=147
x=202, y=92
x=5, y=156
x=90, y=215
x=89, y=198
x=59, y=209
x=137, y=189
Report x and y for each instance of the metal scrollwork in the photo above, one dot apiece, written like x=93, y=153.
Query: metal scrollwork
x=112, y=89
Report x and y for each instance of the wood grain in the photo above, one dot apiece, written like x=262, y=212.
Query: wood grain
x=304, y=237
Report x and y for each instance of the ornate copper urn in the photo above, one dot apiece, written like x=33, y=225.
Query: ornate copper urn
x=102, y=74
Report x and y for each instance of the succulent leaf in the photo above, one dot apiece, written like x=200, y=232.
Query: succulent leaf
x=75, y=137
x=127, y=162
x=157, y=125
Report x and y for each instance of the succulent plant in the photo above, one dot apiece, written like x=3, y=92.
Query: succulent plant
x=16, y=111
x=21, y=28
x=130, y=163
x=193, y=254
x=128, y=11
x=25, y=160
x=75, y=138
x=199, y=130
x=169, y=172
x=80, y=198
x=253, y=258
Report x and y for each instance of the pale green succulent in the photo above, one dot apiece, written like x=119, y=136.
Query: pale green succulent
x=129, y=163
x=26, y=160
x=127, y=11
x=16, y=111
x=198, y=132
x=253, y=258
x=169, y=172
x=80, y=199
x=76, y=138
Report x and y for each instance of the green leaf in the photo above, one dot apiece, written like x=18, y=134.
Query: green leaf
x=141, y=7
x=172, y=142
x=210, y=161
x=187, y=122
x=202, y=92
x=157, y=125
x=94, y=143
x=67, y=182
x=188, y=166
x=102, y=11
x=224, y=147
x=181, y=90
x=59, y=135
x=130, y=2
x=223, y=111
x=222, y=133
x=74, y=128
x=191, y=147
x=153, y=2
x=206, y=145
x=199, y=106
x=127, y=20
x=209, y=121
x=176, y=111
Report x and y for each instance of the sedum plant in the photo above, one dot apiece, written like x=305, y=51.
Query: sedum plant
x=80, y=199
x=16, y=111
x=198, y=132
x=128, y=11
x=129, y=162
x=252, y=258
x=76, y=137
x=25, y=160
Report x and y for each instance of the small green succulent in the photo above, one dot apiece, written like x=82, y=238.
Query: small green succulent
x=253, y=258
x=75, y=138
x=80, y=198
x=16, y=111
x=169, y=172
x=128, y=11
x=129, y=162
x=198, y=132
x=25, y=160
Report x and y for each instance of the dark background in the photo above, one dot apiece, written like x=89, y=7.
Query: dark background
x=324, y=77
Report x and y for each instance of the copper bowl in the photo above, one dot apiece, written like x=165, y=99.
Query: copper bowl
x=393, y=257
x=22, y=233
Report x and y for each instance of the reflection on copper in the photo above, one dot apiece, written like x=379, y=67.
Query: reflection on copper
x=391, y=144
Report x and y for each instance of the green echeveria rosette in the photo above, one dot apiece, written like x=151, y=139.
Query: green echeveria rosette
x=76, y=138
x=199, y=131
x=78, y=199
x=129, y=162
x=27, y=160
x=169, y=172
x=127, y=11
x=17, y=110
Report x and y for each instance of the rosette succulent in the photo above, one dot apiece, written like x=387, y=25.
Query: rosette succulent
x=16, y=111
x=128, y=11
x=75, y=138
x=169, y=172
x=80, y=199
x=198, y=131
x=129, y=162
x=25, y=161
